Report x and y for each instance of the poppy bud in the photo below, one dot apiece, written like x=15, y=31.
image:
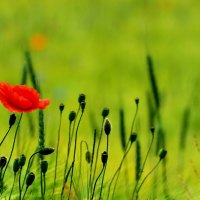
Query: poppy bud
x=133, y=137
x=22, y=160
x=30, y=179
x=82, y=104
x=61, y=107
x=46, y=151
x=12, y=120
x=72, y=116
x=152, y=129
x=81, y=98
x=44, y=166
x=88, y=156
x=137, y=100
x=16, y=165
x=3, y=161
x=104, y=157
x=162, y=153
x=105, y=112
x=107, y=127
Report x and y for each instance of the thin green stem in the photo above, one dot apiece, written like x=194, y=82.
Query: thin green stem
x=27, y=169
x=25, y=193
x=146, y=178
x=13, y=145
x=12, y=186
x=92, y=159
x=97, y=152
x=56, y=163
x=80, y=166
x=41, y=185
x=134, y=118
x=75, y=143
x=117, y=171
x=20, y=190
x=104, y=170
x=96, y=182
x=5, y=135
x=142, y=169
x=44, y=179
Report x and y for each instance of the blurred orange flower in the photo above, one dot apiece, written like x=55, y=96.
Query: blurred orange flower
x=38, y=42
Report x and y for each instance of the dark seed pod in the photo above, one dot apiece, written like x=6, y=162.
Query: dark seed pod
x=133, y=137
x=107, y=127
x=137, y=100
x=44, y=166
x=12, y=120
x=82, y=104
x=22, y=160
x=16, y=165
x=30, y=179
x=72, y=116
x=162, y=153
x=152, y=129
x=105, y=112
x=104, y=157
x=88, y=156
x=61, y=107
x=46, y=151
x=81, y=98
x=3, y=161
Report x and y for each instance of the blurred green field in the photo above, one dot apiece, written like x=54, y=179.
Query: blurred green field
x=99, y=48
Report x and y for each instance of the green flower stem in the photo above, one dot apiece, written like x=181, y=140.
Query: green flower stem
x=27, y=169
x=80, y=165
x=41, y=185
x=146, y=178
x=12, y=187
x=25, y=193
x=5, y=135
x=13, y=145
x=96, y=182
x=56, y=164
x=92, y=159
x=104, y=170
x=97, y=152
x=20, y=189
x=134, y=118
x=75, y=143
x=142, y=169
x=118, y=169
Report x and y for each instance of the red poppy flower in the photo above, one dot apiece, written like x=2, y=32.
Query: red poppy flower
x=21, y=98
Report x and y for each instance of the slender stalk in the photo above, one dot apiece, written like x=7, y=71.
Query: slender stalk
x=97, y=152
x=20, y=190
x=13, y=145
x=142, y=169
x=5, y=136
x=117, y=171
x=104, y=170
x=67, y=159
x=91, y=164
x=80, y=166
x=56, y=163
x=12, y=186
x=44, y=179
x=146, y=178
x=41, y=185
x=25, y=193
x=75, y=143
x=27, y=169
x=96, y=182
x=134, y=118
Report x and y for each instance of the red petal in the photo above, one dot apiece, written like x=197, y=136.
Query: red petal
x=43, y=103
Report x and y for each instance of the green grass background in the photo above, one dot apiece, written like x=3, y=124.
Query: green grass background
x=99, y=48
